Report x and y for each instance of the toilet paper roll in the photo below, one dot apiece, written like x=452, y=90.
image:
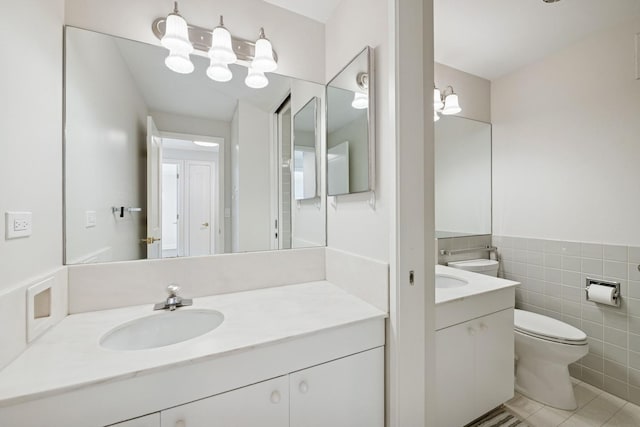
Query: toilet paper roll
x=602, y=294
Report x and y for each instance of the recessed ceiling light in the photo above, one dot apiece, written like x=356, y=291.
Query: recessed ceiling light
x=206, y=144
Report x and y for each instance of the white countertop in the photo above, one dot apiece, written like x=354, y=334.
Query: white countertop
x=478, y=284
x=69, y=357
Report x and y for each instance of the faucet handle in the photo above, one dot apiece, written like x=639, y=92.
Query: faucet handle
x=173, y=290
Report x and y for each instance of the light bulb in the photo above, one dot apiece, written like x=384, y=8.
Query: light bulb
x=263, y=60
x=451, y=105
x=437, y=100
x=179, y=62
x=176, y=34
x=219, y=72
x=256, y=79
x=221, y=47
x=360, y=101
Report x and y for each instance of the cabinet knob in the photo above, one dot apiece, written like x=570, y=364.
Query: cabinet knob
x=275, y=397
x=181, y=423
x=471, y=331
x=303, y=387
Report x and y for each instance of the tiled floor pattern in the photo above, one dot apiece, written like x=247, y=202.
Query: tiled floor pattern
x=595, y=408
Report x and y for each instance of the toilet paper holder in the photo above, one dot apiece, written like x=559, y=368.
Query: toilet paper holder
x=616, y=295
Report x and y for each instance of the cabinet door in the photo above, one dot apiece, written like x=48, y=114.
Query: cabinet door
x=494, y=360
x=265, y=404
x=455, y=379
x=152, y=420
x=347, y=392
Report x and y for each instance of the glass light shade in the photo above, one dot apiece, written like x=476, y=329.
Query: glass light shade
x=437, y=100
x=221, y=49
x=179, y=62
x=360, y=101
x=176, y=34
x=436, y=117
x=451, y=105
x=256, y=79
x=263, y=60
x=219, y=72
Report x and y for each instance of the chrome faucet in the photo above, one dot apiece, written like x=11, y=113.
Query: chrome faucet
x=173, y=300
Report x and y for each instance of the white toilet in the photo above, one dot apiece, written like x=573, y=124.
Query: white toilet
x=482, y=266
x=544, y=348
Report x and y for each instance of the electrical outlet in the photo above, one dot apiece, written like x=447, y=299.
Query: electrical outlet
x=17, y=224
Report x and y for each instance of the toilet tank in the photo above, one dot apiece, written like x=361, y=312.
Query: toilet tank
x=482, y=266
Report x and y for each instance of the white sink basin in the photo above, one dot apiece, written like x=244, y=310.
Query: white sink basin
x=446, y=282
x=159, y=330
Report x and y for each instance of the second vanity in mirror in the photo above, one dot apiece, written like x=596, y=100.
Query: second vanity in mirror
x=160, y=164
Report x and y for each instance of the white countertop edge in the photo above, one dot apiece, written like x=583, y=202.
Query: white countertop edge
x=9, y=399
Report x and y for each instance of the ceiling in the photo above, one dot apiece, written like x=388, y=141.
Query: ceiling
x=491, y=38
x=318, y=10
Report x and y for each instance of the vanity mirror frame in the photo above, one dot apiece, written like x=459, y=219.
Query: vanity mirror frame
x=317, y=143
x=371, y=122
x=320, y=92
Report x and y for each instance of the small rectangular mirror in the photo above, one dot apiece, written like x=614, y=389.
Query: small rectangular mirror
x=462, y=177
x=350, y=128
x=305, y=146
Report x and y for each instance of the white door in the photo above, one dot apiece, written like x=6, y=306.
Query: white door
x=265, y=404
x=154, y=190
x=201, y=212
x=172, y=193
x=347, y=392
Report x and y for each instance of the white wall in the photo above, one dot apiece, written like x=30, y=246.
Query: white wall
x=474, y=92
x=30, y=155
x=565, y=139
x=354, y=226
x=132, y=20
x=105, y=125
x=31, y=148
x=251, y=208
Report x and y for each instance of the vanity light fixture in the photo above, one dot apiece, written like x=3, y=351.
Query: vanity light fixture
x=176, y=39
x=221, y=47
x=360, y=98
x=445, y=102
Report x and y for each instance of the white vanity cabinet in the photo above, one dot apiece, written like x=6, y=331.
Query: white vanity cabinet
x=474, y=367
x=347, y=392
x=265, y=404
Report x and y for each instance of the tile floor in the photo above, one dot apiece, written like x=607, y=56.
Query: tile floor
x=595, y=408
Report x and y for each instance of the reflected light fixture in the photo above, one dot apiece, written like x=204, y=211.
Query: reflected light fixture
x=176, y=39
x=221, y=47
x=256, y=79
x=445, y=102
x=361, y=97
x=206, y=143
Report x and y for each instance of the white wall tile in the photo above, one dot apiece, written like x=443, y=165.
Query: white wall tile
x=615, y=253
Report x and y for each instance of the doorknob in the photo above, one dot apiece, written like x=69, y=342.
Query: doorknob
x=150, y=240
x=206, y=224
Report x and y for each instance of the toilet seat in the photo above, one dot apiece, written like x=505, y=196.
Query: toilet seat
x=547, y=328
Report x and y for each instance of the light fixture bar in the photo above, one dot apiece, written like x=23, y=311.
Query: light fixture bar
x=201, y=40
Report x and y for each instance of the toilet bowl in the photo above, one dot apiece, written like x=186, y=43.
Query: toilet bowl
x=482, y=266
x=544, y=348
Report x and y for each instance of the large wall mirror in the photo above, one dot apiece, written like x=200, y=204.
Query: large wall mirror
x=350, y=128
x=160, y=164
x=462, y=177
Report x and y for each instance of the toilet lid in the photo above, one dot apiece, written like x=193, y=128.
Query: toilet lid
x=547, y=328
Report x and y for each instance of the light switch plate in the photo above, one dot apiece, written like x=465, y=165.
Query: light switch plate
x=17, y=224
x=90, y=219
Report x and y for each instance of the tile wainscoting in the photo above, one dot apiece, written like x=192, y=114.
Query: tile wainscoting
x=553, y=273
